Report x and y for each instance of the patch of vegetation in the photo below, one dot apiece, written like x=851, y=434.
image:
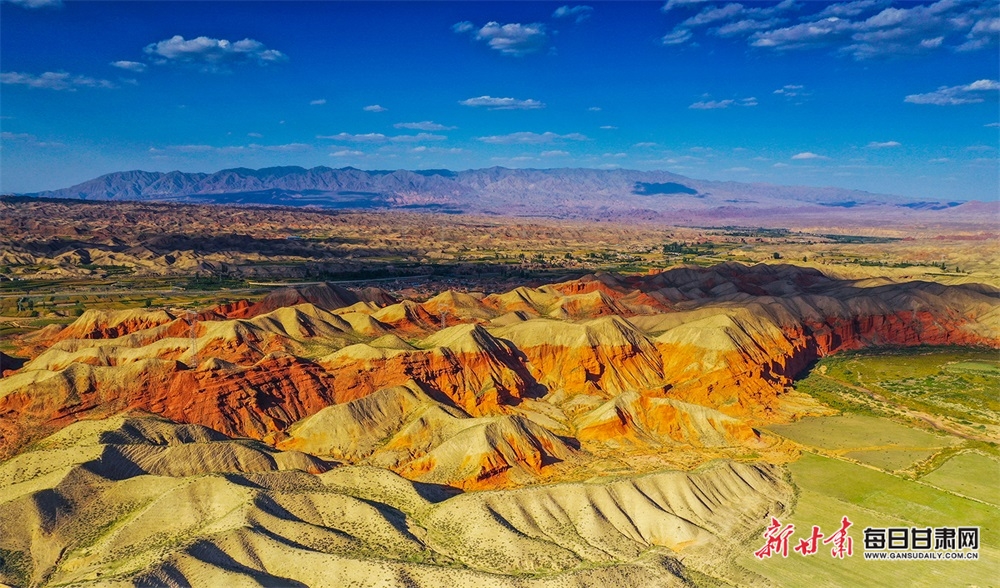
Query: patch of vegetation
x=832, y=488
x=970, y=474
x=959, y=383
x=15, y=567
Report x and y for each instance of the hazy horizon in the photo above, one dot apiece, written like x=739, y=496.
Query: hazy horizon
x=890, y=98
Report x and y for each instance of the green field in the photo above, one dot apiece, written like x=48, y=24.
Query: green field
x=960, y=383
x=877, y=441
x=893, y=402
x=969, y=474
x=832, y=488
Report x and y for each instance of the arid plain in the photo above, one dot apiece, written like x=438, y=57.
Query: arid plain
x=224, y=395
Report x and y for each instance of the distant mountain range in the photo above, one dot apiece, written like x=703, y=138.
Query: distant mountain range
x=497, y=190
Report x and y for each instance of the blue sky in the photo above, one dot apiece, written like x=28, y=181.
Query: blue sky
x=893, y=97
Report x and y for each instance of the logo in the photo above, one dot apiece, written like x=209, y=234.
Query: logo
x=888, y=543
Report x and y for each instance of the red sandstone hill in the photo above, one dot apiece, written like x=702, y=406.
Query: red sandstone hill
x=690, y=357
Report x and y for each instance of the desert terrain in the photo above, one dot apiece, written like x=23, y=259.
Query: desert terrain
x=201, y=394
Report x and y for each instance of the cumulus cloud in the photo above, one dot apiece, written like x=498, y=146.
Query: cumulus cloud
x=509, y=39
x=130, y=65
x=380, y=138
x=608, y=127
x=867, y=29
x=808, y=155
x=53, y=80
x=374, y=108
x=555, y=153
x=973, y=93
x=883, y=144
x=577, y=13
x=317, y=102
x=529, y=138
x=346, y=153
x=426, y=125
x=212, y=54
x=503, y=103
x=862, y=29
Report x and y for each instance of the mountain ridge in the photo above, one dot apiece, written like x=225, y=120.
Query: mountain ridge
x=487, y=190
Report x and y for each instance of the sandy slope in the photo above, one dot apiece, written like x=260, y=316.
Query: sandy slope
x=239, y=514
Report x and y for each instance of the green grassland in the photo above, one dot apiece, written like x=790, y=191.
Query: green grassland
x=958, y=383
x=969, y=474
x=880, y=465
x=832, y=488
x=878, y=441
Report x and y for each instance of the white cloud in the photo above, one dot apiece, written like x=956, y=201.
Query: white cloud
x=939, y=160
x=374, y=108
x=529, y=138
x=884, y=144
x=27, y=139
x=286, y=148
x=212, y=54
x=346, y=153
x=645, y=144
x=868, y=29
x=609, y=127
x=791, y=91
x=36, y=3
x=578, y=13
x=713, y=14
x=509, y=39
x=503, y=103
x=255, y=135
x=779, y=164
x=594, y=109
x=855, y=8
x=717, y=104
x=418, y=138
x=52, y=80
x=130, y=65
x=671, y=4
x=808, y=155
x=744, y=26
x=360, y=138
x=712, y=104
x=676, y=37
x=992, y=125
x=555, y=153
x=426, y=125
x=194, y=149
x=317, y=102
x=380, y=138
x=973, y=93
x=738, y=169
